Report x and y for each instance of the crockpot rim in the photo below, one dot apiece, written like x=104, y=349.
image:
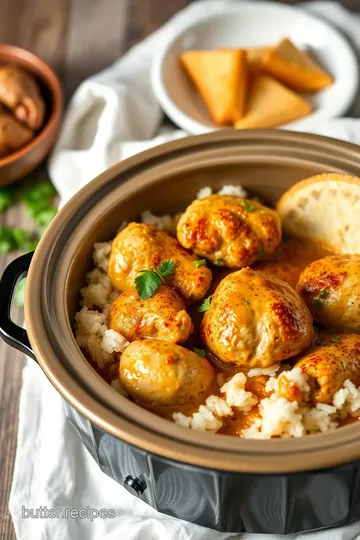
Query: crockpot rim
x=167, y=446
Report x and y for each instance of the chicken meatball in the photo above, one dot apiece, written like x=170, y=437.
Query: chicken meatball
x=162, y=375
x=329, y=364
x=256, y=320
x=143, y=247
x=20, y=93
x=13, y=134
x=162, y=316
x=331, y=289
x=229, y=230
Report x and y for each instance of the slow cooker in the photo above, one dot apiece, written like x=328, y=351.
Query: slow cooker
x=225, y=483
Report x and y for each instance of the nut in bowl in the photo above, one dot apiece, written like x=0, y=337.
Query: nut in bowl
x=30, y=112
x=228, y=68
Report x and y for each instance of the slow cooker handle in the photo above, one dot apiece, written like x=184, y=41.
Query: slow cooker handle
x=11, y=333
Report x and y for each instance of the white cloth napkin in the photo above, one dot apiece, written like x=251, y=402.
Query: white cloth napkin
x=112, y=116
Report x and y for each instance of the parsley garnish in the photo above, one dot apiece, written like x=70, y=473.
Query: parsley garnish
x=166, y=268
x=37, y=201
x=317, y=300
x=201, y=262
x=247, y=206
x=7, y=241
x=41, y=191
x=318, y=341
x=148, y=281
x=335, y=339
x=46, y=215
x=322, y=293
x=6, y=198
x=261, y=254
x=205, y=305
x=12, y=238
x=219, y=262
x=245, y=302
x=199, y=352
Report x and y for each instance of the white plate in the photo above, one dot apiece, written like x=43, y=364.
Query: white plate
x=251, y=24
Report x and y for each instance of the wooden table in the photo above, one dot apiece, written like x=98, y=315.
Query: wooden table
x=77, y=38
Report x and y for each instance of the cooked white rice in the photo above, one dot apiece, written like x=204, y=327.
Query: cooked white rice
x=275, y=416
x=236, y=395
x=269, y=371
x=218, y=406
x=202, y=420
x=101, y=255
x=166, y=223
x=91, y=322
x=239, y=191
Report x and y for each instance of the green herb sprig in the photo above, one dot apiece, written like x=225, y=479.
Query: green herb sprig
x=199, y=352
x=261, y=254
x=148, y=281
x=200, y=262
x=6, y=198
x=38, y=203
x=12, y=238
x=318, y=299
x=37, y=200
x=205, y=305
x=248, y=207
x=219, y=262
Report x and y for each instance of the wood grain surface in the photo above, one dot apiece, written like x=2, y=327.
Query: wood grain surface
x=77, y=38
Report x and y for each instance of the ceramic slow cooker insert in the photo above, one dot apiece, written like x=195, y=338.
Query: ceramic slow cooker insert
x=228, y=484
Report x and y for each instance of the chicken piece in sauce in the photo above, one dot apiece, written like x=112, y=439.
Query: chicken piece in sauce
x=256, y=320
x=328, y=365
x=143, y=247
x=13, y=134
x=162, y=316
x=162, y=375
x=20, y=93
x=331, y=289
x=229, y=230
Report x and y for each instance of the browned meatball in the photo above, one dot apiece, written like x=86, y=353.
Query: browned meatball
x=331, y=289
x=330, y=364
x=143, y=247
x=256, y=320
x=13, y=134
x=20, y=93
x=229, y=230
x=162, y=316
x=162, y=375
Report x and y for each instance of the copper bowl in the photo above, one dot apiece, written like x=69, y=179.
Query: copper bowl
x=229, y=484
x=23, y=161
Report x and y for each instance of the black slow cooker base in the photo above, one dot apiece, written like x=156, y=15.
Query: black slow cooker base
x=226, y=502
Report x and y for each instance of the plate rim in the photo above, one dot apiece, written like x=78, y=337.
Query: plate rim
x=194, y=127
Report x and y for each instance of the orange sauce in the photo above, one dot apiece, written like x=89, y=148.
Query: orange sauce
x=348, y=420
x=233, y=425
x=291, y=258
